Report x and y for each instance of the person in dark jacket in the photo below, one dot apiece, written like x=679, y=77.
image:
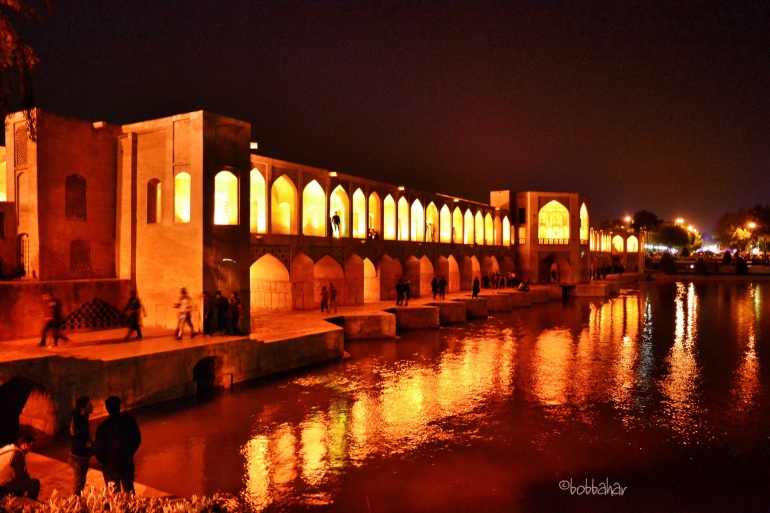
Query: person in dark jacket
x=235, y=313
x=133, y=308
x=476, y=288
x=442, y=287
x=223, y=311
x=434, y=287
x=117, y=440
x=81, y=448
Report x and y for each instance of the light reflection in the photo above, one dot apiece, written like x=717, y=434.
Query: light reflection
x=747, y=380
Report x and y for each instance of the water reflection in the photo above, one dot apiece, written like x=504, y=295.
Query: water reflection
x=747, y=384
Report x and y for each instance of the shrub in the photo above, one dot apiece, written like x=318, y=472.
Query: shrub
x=741, y=266
x=685, y=252
x=700, y=267
x=667, y=263
x=727, y=258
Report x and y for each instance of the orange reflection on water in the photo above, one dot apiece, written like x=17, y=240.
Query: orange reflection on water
x=747, y=383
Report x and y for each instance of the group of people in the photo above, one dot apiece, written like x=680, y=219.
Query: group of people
x=116, y=441
x=500, y=280
x=438, y=287
x=403, y=291
x=220, y=314
x=329, y=298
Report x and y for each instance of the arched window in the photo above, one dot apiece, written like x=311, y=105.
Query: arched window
x=153, y=201
x=403, y=219
x=431, y=223
x=445, y=233
x=506, y=231
x=389, y=218
x=359, y=215
x=489, y=230
x=468, y=234
x=498, y=235
x=553, y=224
x=75, y=197
x=3, y=193
x=283, y=205
x=632, y=244
x=418, y=222
x=457, y=226
x=340, y=206
x=257, y=203
x=314, y=210
x=583, y=224
x=225, y=198
x=182, y=198
x=618, y=244
x=374, y=212
x=479, y=228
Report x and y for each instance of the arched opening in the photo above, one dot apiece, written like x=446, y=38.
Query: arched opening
x=283, y=203
x=554, y=269
x=418, y=222
x=489, y=230
x=257, y=202
x=22, y=402
x=328, y=272
x=270, y=284
x=374, y=214
x=354, y=279
x=431, y=223
x=314, y=210
x=475, y=268
x=490, y=266
x=454, y=274
x=469, y=269
x=403, y=219
x=506, y=232
x=583, y=224
x=390, y=271
x=371, y=282
x=457, y=226
x=479, y=228
x=302, y=283
x=339, y=206
x=553, y=224
x=498, y=231
x=182, y=184
x=207, y=374
x=225, y=198
x=468, y=234
x=445, y=225
x=618, y=244
x=153, y=201
x=420, y=273
x=389, y=218
x=632, y=244
x=359, y=215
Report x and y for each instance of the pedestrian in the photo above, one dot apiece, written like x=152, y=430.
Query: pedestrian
x=332, y=298
x=14, y=478
x=223, y=309
x=486, y=281
x=324, y=299
x=399, y=292
x=185, y=309
x=208, y=314
x=117, y=440
x=133, y=308
x=553, y=276
x=476, y=288
x=442, y=287
x=82, y=445
x=235, y=313
x=407, y=290
x=336, y=224
x=52, y=320
x=434, y=287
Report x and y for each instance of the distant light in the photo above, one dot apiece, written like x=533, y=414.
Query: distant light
x=228, y=260
x=628, y=219
x=679, y=221
x=400, y=187
x=99, y=125
x=755, y=251
x=253, y=146
x=752, y=225
x=689, y=228
x=332, y=173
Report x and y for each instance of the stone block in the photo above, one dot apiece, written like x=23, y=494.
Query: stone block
x=415, y=317
x=370, y=325
x=475, y=308
x=520, y=299
x=498, y=302
x=594, y=289
x=450, y=311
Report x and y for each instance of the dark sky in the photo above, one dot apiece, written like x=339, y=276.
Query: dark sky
x=662, y=105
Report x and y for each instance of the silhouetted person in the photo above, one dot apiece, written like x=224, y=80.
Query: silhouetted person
x=407, y=291
x=476, y=288
x=442, y=286
x=223, y=308
x=336, y=221
x=133, y=308
x=554, y=278
x=324, y=299
x=486, y=281
x=434, y=287
x=332, y=297
x=208, y=314
x=185, y=311
x=52, y=320
x=14, y=478
x=235, y=313
x=399, y=292
x=117, y=440
x=523, y=287
x=82, y=445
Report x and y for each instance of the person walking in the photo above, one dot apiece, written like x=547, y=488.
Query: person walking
x=133, y=308
x=185, y=310
x=52, y=320
x=14, y=478
x=324, y=299
x=235, y=313
x=399, y=292
x=332, y=297
x=117, y=440
x=476, y=288
x=442, y=287
x=434, y=287
x=407, y=291
x=81, y=447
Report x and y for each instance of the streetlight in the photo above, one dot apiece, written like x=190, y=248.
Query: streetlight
x=679, y=220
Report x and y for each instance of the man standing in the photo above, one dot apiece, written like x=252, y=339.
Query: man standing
x=133, y=308
x=332, y=298
x=223, y=308
x=235, y=313
x=14, y=477
x=82, y=444
x=442, y=287
x=52, y=321
x=117, y=440
x=434, y=287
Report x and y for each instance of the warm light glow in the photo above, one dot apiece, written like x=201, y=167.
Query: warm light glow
x=489, y=230
x=468, y=235
x=225, y=198
x=752, y=225
x=3, y=193
x=182, y=199
x=632, y=244
x=431, y=223
x=679, y=220
x=283, y=202
x=389, y=218
x=479, y=228
x=257, y=203
x=553, y=221
x=506, y=231
x=314, y=210
x=359, y=215
x=457, y=226
x=374, y=212
x=497, y=235
x=618, y=244
x=445, y=231
x=584, y=229
x=403, y=219
x=418, y=222
x=628, y=219
x=338, y=204
x=689, y=228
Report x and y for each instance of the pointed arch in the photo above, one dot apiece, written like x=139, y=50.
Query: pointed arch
x=418, y=222
x=182, y=184
x=283, y=207
x=371, y=282
x=389, y=218
x=468, y=233
x=339, y=204
x=257, y=202
x=479, y=228
x=618, y=244
x=374, y=213
x=389, y=271
x=457, y=226
x=314, y=210
x=489, y=230
x=403, y=219
x=359, y=214
x=302, y=283
x=270, y=285
x=498, y=231
x=431, y=223
x=632, y=244
x=325, y=272
x=506, y=232
x=454, y=274
x=553, y=223
x=225, y=198
x=445, y=225
x=583, y=224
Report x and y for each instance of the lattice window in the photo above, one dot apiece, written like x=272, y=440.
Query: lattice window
x=80, y=255
x=94, y=314
x=20, y=145
x=75, y=197
x=26, y=261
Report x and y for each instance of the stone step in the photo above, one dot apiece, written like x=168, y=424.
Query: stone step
x=450, y=311
x=497, y=302
x=366, y=325
x=475, y=308
x=415, y=317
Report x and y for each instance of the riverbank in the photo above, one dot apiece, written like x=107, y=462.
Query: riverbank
x=659, y=276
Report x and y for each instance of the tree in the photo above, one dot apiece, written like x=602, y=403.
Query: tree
x=612, y=225
x=672, y=236
x=645, y=220
x=17, y=60
x=733, y=228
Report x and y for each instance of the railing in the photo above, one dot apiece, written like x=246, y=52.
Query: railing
x=553, y=241
x=584, y=242
x=522, y=240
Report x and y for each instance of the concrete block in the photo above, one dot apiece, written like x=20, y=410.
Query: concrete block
x=554, y=291
x=450, y=311
x=498, y=302
x=370, y=325
x=520, y=299
x=415, y=317
x=475, y=308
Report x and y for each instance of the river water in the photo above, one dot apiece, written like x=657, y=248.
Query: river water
x=659, y=396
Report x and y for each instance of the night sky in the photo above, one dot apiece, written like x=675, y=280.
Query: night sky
x=663, y=106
